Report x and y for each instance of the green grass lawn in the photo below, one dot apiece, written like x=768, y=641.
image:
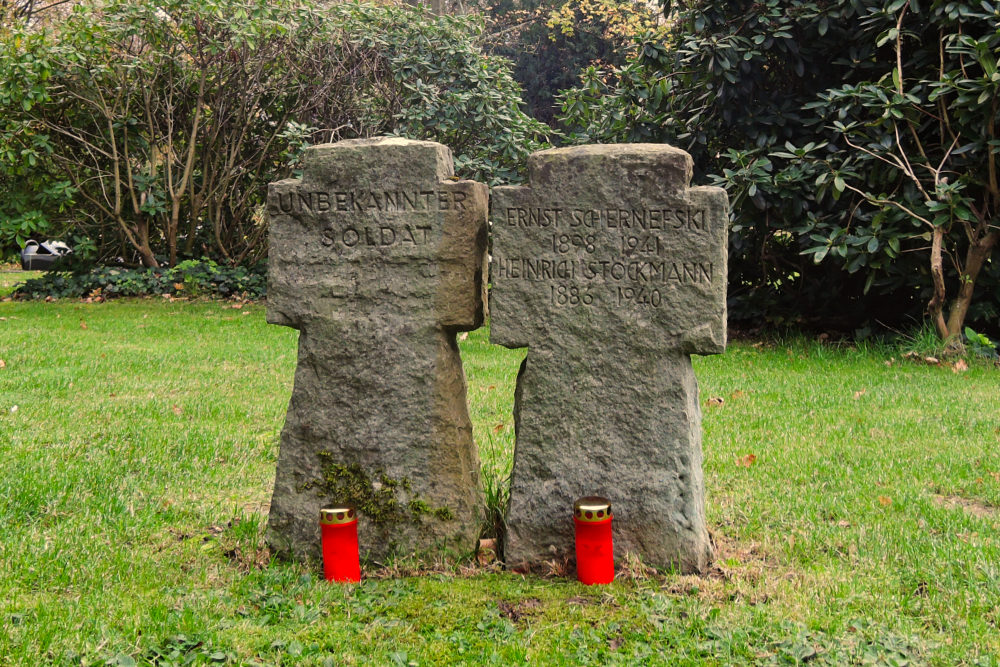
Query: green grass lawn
x=854, y=504
x=11, y=277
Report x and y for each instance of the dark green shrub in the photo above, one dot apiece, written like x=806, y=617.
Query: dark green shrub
x=153, y=128
x=190, y=278
x=550, y=42
x=794, y=108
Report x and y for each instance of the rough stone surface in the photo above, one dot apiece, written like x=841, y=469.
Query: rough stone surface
x=376, y=256
x=612, y=271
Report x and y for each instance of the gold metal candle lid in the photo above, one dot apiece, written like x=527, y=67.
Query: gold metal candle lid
x=592, y=508
x=340, y=514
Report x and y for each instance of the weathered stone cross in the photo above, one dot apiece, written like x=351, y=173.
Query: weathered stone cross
x=376, y=256
x=612, y=271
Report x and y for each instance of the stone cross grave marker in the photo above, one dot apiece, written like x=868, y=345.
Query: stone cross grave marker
x=377, y=257
x=612, y=271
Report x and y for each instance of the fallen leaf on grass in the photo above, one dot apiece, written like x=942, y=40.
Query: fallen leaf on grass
x=844, y=523
x=463, y=335
x=83, y=325
x=914, y=356
x=715, y=401
x=3, y=364
x=498, y=427
x=739, y=393
x=995, y=476
x=746, y=461
x=236, y=306
x=178, y=286
x=859, y=394
x=486, y=552
x=960, y=366
x=177, y=410
x=884, y=501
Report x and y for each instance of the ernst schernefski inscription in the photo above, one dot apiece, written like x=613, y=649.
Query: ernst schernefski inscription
x=612, y=271
x=376, y=255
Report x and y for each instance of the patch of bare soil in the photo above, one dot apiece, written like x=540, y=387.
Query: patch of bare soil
x=976, y=508
x=515, y=611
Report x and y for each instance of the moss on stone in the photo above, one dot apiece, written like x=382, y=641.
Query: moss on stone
x=384, y=502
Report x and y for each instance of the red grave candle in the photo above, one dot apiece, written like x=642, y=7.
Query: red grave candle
x=339, y=528
x=595, y=554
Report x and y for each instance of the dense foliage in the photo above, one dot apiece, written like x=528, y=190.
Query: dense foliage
x=190, y=278
x=151, y=129
x=550, y=42
x=857, y=141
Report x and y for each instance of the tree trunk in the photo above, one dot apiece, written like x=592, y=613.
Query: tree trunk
x=142, y=246
x=172, y=224
x=935, y=307
x=979, y=251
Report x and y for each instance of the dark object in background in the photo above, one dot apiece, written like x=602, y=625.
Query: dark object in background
x=43, y=256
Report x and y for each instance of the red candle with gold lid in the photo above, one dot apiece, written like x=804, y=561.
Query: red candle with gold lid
x=339, y=530
x=595, y=553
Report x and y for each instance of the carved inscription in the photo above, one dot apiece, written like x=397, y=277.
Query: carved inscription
x=368, y=201
x=608, y=218
x=356, y=219
x=621, y=256
x=359, y=235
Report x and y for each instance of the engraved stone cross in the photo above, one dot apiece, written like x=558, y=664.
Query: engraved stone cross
x=612, y=271
x=376, y=256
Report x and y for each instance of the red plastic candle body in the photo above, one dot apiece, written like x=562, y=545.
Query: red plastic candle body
x=595, y=554
x=339, y=528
